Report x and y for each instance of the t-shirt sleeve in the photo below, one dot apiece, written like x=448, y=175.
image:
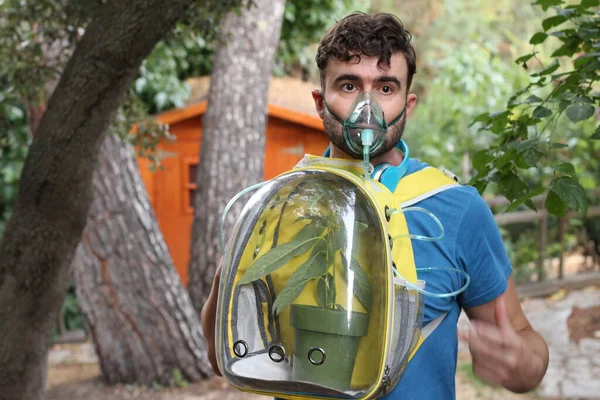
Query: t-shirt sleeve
x=481, y=252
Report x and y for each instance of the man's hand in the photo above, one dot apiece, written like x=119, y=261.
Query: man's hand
x=505, y=350
x=496, y=349
x=208, y=319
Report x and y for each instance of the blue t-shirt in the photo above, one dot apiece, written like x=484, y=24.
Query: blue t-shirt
x=472, y=243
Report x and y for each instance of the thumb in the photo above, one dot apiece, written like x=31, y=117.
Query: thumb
x=501, y=315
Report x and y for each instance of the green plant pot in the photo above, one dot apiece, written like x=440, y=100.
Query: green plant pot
x=328, y=332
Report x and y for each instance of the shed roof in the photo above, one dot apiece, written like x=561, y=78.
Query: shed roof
x=288, y=99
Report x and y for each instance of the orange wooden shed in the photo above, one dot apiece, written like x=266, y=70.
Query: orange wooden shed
x=293, y=129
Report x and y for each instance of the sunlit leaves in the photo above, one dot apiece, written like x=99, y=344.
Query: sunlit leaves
x=567, y=87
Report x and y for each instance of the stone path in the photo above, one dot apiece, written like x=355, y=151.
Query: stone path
x=574, y=369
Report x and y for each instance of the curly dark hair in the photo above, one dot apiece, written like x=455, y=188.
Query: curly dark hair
x=372, y=35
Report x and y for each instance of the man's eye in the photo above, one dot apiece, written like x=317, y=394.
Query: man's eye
x=348, y=87
x=386, y=89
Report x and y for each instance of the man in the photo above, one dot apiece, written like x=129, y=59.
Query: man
x=373, y=54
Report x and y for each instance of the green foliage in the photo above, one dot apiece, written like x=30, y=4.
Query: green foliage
x=70, y=311
x=528, y=134
x=324, y=238
x=161, y=81
x=14, y=140
x=469, y=79
x=177, y=380
x=304, y=23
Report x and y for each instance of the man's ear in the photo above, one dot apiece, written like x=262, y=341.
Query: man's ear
x=411, y=102
x=318, y=98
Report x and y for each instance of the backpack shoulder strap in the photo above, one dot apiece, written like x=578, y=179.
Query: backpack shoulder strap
x=421, y=185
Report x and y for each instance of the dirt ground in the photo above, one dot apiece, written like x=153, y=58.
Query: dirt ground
x=584, y=323
x=83, y=381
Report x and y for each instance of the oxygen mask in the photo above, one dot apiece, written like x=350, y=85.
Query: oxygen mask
x=365, y=128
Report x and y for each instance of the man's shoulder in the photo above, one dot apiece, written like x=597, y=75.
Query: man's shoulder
x=459, y=195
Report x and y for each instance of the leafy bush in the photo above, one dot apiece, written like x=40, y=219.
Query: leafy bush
x=528, y=132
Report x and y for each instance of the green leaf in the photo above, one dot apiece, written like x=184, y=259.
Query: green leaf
x=524, y=145
x=505, y=158
x=596, y=135
x=326, y=291
x=538, y=38
x=532, y=99
x=586, y=58
x=570, y=47
x=580, y=99
x=588, y=33
x=362, y=287
x=570, y=192
x=590, y=3
x=541, y=112
x=548, y=70
x=511, y=185
x=311, y=269
x=566, y=169
x=555, y=205
x=557, y=145
x=278, y=256
x=553, y=21
x=545, y=4
x=532, y=156
x=525, y=58
x=481, y=158
x=485, y=117
x=580, y=112
x=524, y=199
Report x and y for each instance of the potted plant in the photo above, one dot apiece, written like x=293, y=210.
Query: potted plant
x=326, y=335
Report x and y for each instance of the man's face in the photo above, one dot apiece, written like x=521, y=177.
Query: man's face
x=344, y=81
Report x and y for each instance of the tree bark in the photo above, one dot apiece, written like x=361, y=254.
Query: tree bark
x=141, y=318
x=234, y=124
x=55, y=193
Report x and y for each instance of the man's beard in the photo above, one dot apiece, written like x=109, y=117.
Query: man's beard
x=333, y=129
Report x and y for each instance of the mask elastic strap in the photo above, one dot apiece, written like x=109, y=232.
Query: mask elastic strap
x=338, y=119
x=398, y=118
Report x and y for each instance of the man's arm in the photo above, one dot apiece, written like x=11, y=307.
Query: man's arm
x=208, y=317
x=505, y=349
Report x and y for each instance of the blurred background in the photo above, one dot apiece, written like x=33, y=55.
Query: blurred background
x=466, y=52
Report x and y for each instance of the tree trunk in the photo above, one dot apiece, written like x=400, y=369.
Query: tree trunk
x=55, y=193
x=233, y=138
x=141, y=319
